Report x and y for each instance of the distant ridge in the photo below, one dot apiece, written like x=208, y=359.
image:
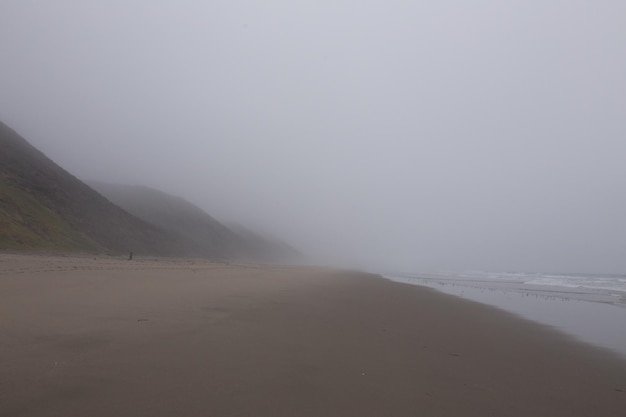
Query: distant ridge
x=43, y=207
x=177, y=215
x=264, y=247
x=173, y=214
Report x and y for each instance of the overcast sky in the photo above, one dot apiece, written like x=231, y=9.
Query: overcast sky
x=459, y=134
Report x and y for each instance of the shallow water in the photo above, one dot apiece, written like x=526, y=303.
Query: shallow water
x=589, y=308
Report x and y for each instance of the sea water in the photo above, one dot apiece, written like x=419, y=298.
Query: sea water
x=589, y=307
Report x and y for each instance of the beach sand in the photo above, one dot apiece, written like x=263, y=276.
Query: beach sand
x=153, y=337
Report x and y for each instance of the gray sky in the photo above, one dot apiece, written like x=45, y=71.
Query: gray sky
x=407, y=134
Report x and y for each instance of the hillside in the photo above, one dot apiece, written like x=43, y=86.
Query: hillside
x=42, y=206
x=264, y=247
x=173, y=214
x=180, y=216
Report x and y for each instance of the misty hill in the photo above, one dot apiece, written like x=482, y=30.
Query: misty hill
x=42, y=206
x=173, y=214
x=268, y=248
x=180, y=216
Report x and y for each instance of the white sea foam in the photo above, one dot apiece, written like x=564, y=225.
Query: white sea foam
x=598, y=287
x=598, y=282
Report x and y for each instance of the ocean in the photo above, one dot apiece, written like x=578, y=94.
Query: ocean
x=589, y=307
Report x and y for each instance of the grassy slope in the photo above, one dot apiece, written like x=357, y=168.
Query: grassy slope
x=44, y=206
x=26, y=224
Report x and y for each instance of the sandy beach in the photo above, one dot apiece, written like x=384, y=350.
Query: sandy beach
x=85, y=336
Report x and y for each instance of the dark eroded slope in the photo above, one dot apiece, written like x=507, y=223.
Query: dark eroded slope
x=42, y=206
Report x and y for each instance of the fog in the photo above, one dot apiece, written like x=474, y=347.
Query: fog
x=406, y=135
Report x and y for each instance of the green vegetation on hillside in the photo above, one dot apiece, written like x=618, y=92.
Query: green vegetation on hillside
x=27, y=224
x=42, y=206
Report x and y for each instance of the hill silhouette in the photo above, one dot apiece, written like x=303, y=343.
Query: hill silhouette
x=264, y=247
x=42, y=206
x=173, y=214
x=177, y=215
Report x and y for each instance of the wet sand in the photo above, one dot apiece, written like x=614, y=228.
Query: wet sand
x=103, y=337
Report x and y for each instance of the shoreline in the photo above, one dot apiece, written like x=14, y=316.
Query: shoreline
x=167, y=337
x=585, y=316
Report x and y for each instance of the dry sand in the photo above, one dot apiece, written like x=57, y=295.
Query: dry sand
x=105, y=337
